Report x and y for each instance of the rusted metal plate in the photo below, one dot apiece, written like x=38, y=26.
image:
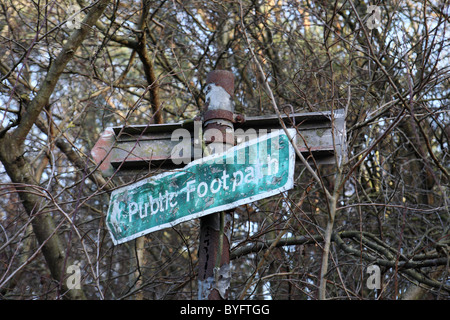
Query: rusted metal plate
x=146, y=146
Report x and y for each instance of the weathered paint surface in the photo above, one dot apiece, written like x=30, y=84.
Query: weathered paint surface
x=102, y=151
x=251, y=171
x=145, y=151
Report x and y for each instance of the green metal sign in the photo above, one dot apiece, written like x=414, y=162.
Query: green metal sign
x=251, y=171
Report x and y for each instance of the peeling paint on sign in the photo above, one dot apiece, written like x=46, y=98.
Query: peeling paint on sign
x=248, y=172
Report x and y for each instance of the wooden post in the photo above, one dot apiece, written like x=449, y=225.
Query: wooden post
x=214, y=272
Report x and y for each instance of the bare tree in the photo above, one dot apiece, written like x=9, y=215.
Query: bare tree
x=71, y=69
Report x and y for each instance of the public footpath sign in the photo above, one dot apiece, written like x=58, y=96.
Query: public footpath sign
x=256, y=169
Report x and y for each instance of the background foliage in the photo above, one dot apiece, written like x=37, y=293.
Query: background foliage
x=140, y=62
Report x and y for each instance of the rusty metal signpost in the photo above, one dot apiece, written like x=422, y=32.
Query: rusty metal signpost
x=209, y=166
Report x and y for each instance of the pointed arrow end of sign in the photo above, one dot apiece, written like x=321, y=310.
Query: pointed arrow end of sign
x=101, y=151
